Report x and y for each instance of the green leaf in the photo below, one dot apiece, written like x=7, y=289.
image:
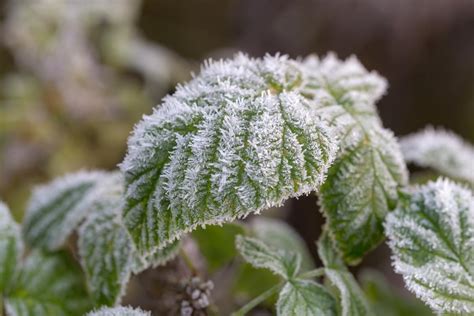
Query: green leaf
x=48, y=285
x=352, y=300
x=217, y=243
x=260, y=255
x=305, y=298
x=278, y=234
x=442, y=151
x=431, y=235
x=108, y=255
x=56, y=209
x=119, y=311
x=11, y=247
x=237, y=139
x=386, y=301
x=360, y=190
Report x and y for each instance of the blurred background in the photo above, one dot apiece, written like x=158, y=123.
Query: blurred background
x=75, y=75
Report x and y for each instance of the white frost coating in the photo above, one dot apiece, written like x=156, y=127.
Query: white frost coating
x=441, y=150
x=119, y=311
x=344, y=93
x=361, y=189
x=305, y=298
x=11, y=247
x=57, y=208
x=284, y=263
x=432, y=239
x=238, y=138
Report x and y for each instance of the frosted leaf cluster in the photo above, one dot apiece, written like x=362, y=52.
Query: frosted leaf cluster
x=119, y=311
x=91, y=202
x=238, y=138
x=352, y=299
x=431, y=235
x=298, y=296
x=441, y=150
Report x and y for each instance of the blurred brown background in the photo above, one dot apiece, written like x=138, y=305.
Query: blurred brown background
x=75, y=75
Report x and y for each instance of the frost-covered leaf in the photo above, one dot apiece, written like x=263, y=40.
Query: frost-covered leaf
x=56, y=209
x=284, y=263
x=238, y=138
x=119, y=311
x=352, y=300
x=360, y=190
x=217, y=243
x=305, y=298
x=431, y=235
x=11, y=247
x=48, y=285
x=344, y=93
x=108, y=255
x=278, y=234
x=441, y=150
x=386, y=299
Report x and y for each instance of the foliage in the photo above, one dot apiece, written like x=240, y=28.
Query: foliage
x=242, y=136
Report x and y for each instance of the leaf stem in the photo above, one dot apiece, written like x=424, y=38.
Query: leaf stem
x=187, y=260
x=312, y=274
x=259, y=299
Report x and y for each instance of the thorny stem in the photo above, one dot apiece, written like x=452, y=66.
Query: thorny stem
x=187, y=260
x=253, y=303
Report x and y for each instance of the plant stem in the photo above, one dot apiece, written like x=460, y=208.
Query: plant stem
x=188, y=261
x=259, y=299
x=312, y=274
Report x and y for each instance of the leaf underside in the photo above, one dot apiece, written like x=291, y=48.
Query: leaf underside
x=238, y=138
x=119, y=311
x=431, y=235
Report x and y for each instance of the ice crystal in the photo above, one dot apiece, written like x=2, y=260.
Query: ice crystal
x=431, y=235
x=441, y=150
x=238, y=138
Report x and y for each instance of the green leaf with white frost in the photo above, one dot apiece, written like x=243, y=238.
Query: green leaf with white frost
x=284, y=263
x=119, y=311
x=431, y=235
x=107, y=253
x=48, y=285
x=11, y=247
x=237, y=139
x=352, y=300
x=57, y=208
x=360, y=190
x=305, y=298
x=279, y=234
x=344, y=93
x=442, y=151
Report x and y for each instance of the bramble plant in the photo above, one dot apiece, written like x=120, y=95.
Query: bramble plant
x=243, y=136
